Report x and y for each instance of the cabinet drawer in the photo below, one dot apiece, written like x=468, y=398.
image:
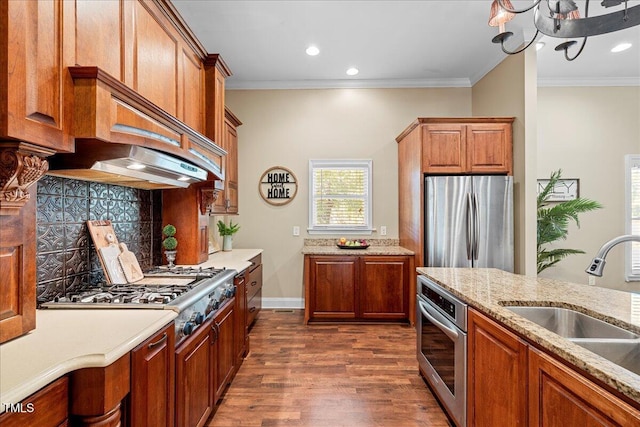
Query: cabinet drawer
x=253, y=307
x=255, y=262
x=47, y=407
x=254, y=282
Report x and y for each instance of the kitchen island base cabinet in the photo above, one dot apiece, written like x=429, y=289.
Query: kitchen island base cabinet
x=254, y=289
x=48, y=407
x=496, y=374
x=152, y=376
x=357, y=288
x=224, y=324
x=559, y=394
x=195, y=377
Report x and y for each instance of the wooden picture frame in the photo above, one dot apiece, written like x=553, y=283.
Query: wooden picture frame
x=278, y=186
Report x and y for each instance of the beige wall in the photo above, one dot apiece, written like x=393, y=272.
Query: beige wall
x=289, y=127
x=586, y=131
x=509, y=90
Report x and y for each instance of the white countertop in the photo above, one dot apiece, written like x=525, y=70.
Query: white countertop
x=237, y=259
x=67, y=340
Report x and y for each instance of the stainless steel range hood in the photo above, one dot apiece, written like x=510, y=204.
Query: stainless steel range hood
x=128, y=165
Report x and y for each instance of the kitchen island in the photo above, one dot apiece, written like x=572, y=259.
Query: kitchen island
x=490, y=290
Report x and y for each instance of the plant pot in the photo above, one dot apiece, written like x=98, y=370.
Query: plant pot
x=227, y=244
x=171, y=257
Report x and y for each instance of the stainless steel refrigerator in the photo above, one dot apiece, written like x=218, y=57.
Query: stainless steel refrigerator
x=469, y=221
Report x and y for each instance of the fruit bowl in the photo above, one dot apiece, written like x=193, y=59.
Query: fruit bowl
x=352, y=244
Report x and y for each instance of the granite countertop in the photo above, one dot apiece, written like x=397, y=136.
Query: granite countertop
x=377, y=247
x=489, y=290
x=67, y=340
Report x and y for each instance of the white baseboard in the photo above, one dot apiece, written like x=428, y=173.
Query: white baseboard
x=297, y=303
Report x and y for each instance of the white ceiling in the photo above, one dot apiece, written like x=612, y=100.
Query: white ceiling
x=393, y=44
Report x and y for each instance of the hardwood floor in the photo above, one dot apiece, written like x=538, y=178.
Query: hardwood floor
x=328, y=376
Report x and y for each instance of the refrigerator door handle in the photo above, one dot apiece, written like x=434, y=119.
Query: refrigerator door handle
x=469, y=227
x=476, y=229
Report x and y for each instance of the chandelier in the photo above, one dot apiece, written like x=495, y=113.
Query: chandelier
x=561, y=19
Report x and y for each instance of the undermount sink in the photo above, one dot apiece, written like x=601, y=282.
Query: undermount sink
x=571, y=324
x=615, y=344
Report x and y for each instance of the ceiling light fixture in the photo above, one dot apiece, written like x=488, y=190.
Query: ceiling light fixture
x=312, y=51
x=621, y=47
x=561, y=19
x=352, y=71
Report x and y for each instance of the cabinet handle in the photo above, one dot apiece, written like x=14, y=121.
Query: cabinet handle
x=214, y=328
x=157, y=343
x=241, y=280
x=252, y=309
x=255, y=282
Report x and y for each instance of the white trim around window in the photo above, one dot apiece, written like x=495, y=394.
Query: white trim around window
x=632, y=216
x=340, y=197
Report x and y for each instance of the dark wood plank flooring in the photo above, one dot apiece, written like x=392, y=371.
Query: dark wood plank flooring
x=328, y=376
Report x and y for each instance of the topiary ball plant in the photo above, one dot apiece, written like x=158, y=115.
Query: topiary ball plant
x=170, y=243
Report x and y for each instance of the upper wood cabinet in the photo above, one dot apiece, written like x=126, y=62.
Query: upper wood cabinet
x=474, y=145
x=36, y=84
x=227, y=200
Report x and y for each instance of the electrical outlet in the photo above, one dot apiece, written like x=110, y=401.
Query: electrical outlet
x=296, y=230
x=383, y=230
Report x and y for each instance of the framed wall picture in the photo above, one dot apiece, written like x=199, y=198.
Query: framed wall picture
x=565, y=189
x=278, y=186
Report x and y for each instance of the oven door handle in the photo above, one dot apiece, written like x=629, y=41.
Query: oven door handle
x=439, y=320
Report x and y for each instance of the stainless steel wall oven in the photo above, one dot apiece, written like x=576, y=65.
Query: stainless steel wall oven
x=442, y=346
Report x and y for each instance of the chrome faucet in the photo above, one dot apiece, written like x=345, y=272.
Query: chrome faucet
x=597, y=264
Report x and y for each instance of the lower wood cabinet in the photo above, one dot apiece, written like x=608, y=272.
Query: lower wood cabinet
x=560, y=396
x=241, y=337
x=512, y=383
x=49, y=407
x=254, y=289
x=224, y=324
x=195, y=377
x=497, y=374
x=348, y=288
x=151, y=401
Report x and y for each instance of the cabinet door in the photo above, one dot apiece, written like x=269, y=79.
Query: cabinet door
x=195, y=376
x=48, y=407
x=231, y=173
x=489, y=148
x=497, y=374
x=444, y=148
x=224, y=323
x=333, y=287
x=240, y=311
x=384, y=288
x=558, y=394
x=152, y=374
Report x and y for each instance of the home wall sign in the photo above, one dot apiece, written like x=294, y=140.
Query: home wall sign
x=278, y=186
x=565, y=189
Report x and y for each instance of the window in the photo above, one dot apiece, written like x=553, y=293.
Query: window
x=632, y=259
x=339, y=196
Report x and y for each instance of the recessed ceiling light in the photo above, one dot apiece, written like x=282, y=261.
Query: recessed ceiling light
x=312, y=51
x=540, y=45
x=352, y=71
x=621, y=47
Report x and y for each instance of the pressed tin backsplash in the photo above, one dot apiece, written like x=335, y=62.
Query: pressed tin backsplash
x=65, y=256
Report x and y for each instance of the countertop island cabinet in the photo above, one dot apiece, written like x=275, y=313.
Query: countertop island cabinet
x=254, y=289
x=48, y=407
x=357, y=287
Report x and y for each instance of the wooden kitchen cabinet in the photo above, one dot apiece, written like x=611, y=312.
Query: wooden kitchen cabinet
x=497, y=374
x=510, y=383
x=467, y=146
x=195, y=376
x=254, y=289
x=373, y=287
x=241, y=338
x=227, y=200
x=48, y=407
x=152, y=381
x=560, y=396
x=224, y=323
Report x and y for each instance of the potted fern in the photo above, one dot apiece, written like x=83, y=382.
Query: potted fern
x=170, y=243
x=553, y=223
x=227, y=231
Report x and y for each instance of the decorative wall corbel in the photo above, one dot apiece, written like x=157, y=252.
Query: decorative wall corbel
x=21, y=165
x=208, y=197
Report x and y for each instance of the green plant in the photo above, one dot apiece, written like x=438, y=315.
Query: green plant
x=553, y=223
x=227, y=230
x=170, y=243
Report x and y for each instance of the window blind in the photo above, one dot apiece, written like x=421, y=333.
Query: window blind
x=633, y=214
x=340, y=195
